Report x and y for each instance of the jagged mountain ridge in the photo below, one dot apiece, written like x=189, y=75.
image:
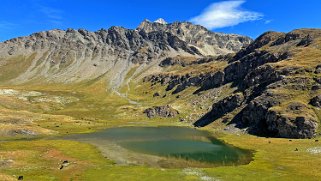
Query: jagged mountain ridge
x=79, y=55
x=207, y=42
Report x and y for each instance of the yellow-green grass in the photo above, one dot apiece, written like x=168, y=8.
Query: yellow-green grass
x=95, y=109
x=275, y=159
x=15, y=66
x=196, y=69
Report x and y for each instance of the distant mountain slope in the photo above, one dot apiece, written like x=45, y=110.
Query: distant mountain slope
x=79, y=55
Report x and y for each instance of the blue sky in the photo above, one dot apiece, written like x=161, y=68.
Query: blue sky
x=247, y=17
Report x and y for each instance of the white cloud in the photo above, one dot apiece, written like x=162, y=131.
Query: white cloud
x=225, y=14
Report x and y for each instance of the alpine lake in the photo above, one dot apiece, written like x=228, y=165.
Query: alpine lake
x=167, y=147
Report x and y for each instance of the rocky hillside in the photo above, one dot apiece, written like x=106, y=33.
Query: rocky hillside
x=79, y=55
x=272, y=87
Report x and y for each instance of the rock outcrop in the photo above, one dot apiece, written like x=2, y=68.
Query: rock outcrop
x=221, y=108
x=294, y=122
x=269, y=89
x=161, y=111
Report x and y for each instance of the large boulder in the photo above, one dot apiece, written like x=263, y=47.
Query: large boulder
x=161, y=111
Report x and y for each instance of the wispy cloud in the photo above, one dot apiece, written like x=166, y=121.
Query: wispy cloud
x=53, y=15
x=268, y=21
x=5, y=25
x=225, y=14
x=51, y=12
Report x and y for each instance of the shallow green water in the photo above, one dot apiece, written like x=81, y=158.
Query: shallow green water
x=175, y=142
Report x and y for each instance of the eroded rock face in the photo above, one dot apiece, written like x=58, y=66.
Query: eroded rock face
x=161, y=111
x=220, y=108
x=240, y=68
x=254, y=114
x=302, y=126
x=181, y=82
x=186, y=61
x=262, y=118
x=207, y=42
x=262, y=75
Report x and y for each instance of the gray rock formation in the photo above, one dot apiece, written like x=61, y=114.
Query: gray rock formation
x=221, y=108
x=262, y=119
x=161, y=111
x=205, y=41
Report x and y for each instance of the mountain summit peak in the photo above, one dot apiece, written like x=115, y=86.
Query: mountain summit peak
x=161, y=21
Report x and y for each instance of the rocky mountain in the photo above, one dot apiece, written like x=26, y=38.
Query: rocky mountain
x=205, y=41
x=78, y=55
x=272, y=86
